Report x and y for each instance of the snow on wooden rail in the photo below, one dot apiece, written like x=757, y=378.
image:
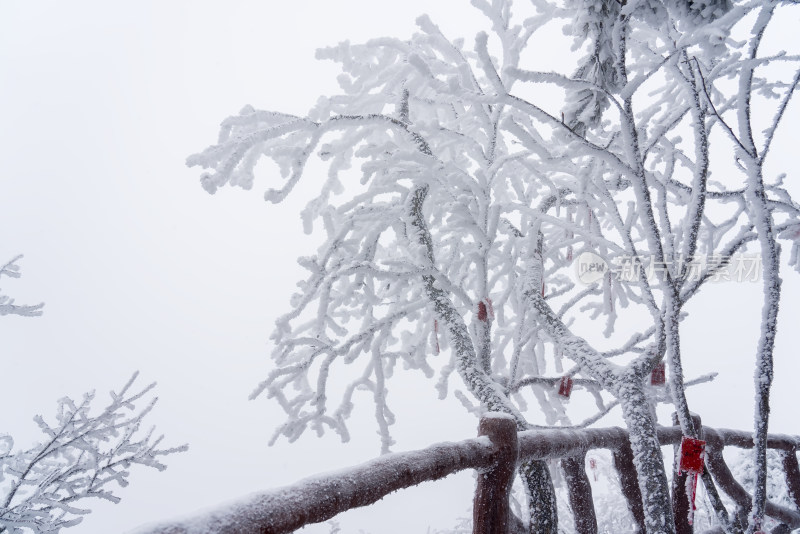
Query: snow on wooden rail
x=320, y=497
x=495, y=454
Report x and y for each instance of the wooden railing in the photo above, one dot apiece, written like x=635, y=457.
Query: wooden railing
x=495, y=454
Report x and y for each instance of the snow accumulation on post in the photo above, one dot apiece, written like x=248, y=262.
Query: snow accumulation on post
x=458, y=214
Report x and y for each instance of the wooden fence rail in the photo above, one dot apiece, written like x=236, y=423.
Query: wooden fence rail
x=495, y=454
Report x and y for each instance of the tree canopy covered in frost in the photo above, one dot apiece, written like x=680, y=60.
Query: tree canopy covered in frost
x=457, y=206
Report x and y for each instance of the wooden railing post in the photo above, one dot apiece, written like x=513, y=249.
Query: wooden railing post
x=491, y=511
x=629, y=484
x=580, y=493
x=792, y=473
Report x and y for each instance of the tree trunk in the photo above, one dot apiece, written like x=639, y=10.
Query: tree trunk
x=580, y=494
x=541, y=497
x=629, y=485
x=647, y=457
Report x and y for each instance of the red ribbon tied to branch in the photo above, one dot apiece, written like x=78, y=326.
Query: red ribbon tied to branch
x=485, y=310
x=659, y=375
x=565, y=386
x=691, y=462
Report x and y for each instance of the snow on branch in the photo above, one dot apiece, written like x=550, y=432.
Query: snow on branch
x=84, y=455
x=7, y=305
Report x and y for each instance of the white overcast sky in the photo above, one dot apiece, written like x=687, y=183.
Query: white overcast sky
x=140, y=269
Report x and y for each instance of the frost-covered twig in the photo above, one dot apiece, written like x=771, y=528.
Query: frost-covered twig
x=7, y=305
x=84, y=455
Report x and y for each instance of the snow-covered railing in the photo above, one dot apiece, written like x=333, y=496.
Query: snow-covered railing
x=495, y=454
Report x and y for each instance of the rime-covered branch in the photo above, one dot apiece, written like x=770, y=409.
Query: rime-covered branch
x=83, y=456
x=7, y=305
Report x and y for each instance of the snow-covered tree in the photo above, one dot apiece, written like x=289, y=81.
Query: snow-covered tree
x=84, y=455
x=458, y=234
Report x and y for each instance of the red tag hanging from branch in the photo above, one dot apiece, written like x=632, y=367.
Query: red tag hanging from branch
x=691, y=455
x=565, y=386
x=658, y=376
x=490, y=307
x=691, y=462
x=593, y=467
x=482, y=315
x=485, y=310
